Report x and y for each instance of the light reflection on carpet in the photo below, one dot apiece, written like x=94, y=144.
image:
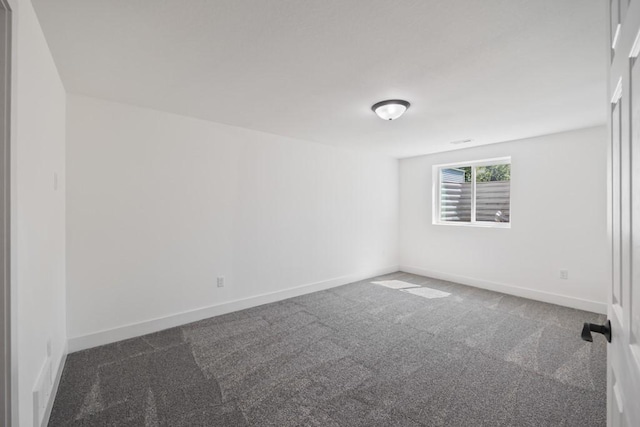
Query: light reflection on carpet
x=427, y=292
x=395, y=284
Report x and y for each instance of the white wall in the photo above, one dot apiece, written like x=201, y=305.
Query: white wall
x=558, y=202
x=38, y=211
x=159, y=205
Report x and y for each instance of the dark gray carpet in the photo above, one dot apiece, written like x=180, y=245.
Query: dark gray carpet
x=364, y=354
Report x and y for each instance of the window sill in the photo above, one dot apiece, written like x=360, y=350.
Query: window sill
x=474, y=224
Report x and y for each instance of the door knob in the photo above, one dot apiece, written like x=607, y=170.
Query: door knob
x=601, y=329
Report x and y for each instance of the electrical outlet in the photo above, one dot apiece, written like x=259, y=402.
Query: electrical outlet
x=564, y=274
x=220, y=281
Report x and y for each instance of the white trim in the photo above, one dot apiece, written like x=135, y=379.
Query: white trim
x=506, y=160
x=56, y=384
x=616, y=35
x=14, y=5
x=474, y=202
x=435, y=194
x=7, y=309
x=617, y=93
x=635, y=49
x=477, y=224
x=581, y=304
x=154, y=325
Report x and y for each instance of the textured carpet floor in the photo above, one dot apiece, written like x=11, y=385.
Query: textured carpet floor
x=398, y=350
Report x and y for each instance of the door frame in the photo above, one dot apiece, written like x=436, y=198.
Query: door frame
x=623, y=356
x=5, y=214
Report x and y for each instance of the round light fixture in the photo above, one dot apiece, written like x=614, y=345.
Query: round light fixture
x=390, y=109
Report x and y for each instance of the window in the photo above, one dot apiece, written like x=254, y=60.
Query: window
x=473, y=193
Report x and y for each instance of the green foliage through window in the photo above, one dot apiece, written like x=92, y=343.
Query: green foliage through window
x=467, y=173
x=488, y=173
x=493, y=173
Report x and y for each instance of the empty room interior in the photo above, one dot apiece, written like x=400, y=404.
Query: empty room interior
x=321, y=213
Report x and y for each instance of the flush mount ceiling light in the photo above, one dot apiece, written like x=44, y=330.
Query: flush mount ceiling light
x=390, y=109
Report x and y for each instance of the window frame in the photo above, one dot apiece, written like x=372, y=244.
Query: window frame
x=436, y=186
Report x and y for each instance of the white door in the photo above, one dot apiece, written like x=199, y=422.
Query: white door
x=623, y=376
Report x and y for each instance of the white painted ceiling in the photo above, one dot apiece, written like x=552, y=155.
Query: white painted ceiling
x=487, y=70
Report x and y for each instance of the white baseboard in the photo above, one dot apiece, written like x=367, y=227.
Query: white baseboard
x=581, y=304
x=56, y=384
x=154, y=325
